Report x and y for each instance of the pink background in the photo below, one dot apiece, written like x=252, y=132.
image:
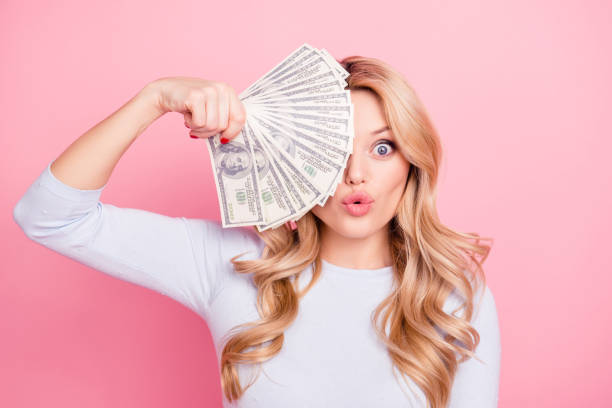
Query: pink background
x=519, y=92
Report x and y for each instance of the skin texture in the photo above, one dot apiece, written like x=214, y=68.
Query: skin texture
x=376, y=167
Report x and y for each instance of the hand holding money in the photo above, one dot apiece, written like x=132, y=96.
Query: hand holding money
x=209, y=107
x=293, y=149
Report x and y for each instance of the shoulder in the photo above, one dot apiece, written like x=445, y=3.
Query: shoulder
x=485, y=308
x=484, y=320
x=476, y=383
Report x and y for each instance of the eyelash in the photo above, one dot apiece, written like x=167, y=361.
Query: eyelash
x=388, y=142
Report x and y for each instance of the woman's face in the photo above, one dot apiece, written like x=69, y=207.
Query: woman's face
x=375, y=167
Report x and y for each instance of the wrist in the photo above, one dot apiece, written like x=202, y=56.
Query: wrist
x=150, y=96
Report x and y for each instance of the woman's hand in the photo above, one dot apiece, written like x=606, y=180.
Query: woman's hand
x=209, y=107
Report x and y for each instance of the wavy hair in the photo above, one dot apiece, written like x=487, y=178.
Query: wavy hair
x=430, y=261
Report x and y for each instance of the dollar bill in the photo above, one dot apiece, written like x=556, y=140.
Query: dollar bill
x=236, y=181
x=294, y=147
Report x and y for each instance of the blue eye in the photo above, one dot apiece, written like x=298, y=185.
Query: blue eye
x=384, y=148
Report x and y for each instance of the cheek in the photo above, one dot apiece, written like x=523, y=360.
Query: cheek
x=392, y=185
x=323, y=213
x=392, y=175
x=330, y=214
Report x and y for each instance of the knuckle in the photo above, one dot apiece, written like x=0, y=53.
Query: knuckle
x=211, y=91
x=240, y=115
x=212, y=123
x=195, y=94
x=221, y=86
x=199, y=121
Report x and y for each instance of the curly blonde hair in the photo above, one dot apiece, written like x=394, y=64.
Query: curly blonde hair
x=430, y=261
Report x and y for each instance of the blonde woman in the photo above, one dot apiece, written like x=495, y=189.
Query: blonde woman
x=368, y=301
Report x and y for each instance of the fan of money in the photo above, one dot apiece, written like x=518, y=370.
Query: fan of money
x=293, y=149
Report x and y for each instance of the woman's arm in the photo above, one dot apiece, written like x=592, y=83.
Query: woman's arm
x=89, y=161
x=178, y=257
x=209, y=108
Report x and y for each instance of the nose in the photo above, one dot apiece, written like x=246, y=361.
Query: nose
x=354, y=173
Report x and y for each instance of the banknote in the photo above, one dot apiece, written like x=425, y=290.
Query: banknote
x=236, y=180
x=295, y=144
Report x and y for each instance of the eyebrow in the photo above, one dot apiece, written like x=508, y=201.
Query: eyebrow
x=381, y=130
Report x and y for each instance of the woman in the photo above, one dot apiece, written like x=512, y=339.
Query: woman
x=333, y=307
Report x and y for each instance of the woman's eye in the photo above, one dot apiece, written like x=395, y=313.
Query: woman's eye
x=384, y=148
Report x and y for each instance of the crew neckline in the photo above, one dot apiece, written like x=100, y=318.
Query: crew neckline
x=384, y=271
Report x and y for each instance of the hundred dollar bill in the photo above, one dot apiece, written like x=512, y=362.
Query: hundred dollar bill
x=315, y=167
x=236, y=181
x=335, y=123
x=313, y=68
x=339, y=68
x=325, y=140
x=335, y=98
x=326, y=82
x=303, y=193
x=339, y=139
x=305, y=48
x=270, y=80
x=294, y=147
x=275, y=202
x=332, y=153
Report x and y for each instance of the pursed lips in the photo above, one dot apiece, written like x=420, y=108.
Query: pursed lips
x=360, y=197
x=357, y=203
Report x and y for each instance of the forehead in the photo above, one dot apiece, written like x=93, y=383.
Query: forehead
x=369, y=112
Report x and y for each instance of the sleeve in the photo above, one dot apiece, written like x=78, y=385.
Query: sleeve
x=178, y=257
x=476, y=383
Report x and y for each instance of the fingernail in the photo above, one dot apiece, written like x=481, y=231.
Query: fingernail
x=192, y=136
x=224, y=140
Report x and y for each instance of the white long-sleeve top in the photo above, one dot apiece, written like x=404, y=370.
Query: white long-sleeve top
x=331, y=356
